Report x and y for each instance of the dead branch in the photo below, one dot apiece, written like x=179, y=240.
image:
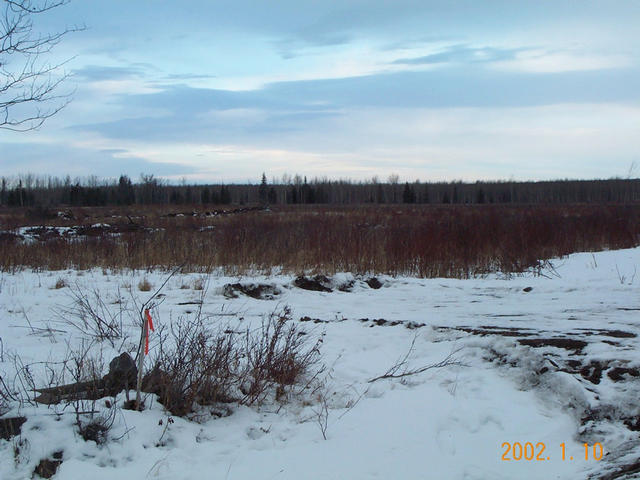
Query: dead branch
x=449, y=361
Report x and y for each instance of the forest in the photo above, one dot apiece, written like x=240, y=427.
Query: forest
x=31, y=190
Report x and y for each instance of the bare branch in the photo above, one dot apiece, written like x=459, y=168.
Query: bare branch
x=29, y=86
x=449, y=361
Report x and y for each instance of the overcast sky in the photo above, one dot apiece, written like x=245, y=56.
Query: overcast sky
x=224, y=90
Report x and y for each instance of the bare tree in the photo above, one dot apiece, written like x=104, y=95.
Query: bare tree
x=29, y=85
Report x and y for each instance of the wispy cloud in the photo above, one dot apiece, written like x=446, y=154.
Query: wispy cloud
x=536, y=61
x=96, y=73
x=463, y=54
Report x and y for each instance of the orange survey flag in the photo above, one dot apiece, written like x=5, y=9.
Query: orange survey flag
x=149, y=321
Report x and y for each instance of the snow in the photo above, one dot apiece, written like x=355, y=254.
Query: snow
x=446, y=422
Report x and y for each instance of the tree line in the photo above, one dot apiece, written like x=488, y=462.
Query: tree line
x=32, y=190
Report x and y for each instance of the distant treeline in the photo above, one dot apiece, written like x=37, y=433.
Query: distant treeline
x=31, y=190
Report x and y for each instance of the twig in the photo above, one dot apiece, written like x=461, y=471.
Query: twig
x=322, y=416
x=24, y=313
x=449, y=360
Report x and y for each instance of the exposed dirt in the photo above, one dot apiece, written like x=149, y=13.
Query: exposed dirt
x=606, y=333
x=347, y=287
x=95, y=431
x=620, y=472
x=561, y=342
x=593, y=371
x=414, y=325
x=633, y=424
x=617, y=374
x=213, y=213
x=260, y=291
x=594, y=415
x=47, y=468
x=319, y=283
x=10, y=427
x=381, y=322
x=314, y=320
x=502, y=331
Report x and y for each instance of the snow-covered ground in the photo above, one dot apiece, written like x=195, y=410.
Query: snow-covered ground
x=521, y=379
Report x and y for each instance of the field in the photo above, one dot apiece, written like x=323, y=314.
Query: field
x=452, y=342
x=423, y=241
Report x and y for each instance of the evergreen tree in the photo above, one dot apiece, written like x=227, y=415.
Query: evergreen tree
x=3, y=193
x=225, y=195
x=272, y=196
x=126, y=194
x=262, y=190
x=408, y=194
x=379, y=194
x=205, y=196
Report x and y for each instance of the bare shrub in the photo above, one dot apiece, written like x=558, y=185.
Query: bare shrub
x=97, y=427
x=144, y=285
x=90, y=315
x=76, y=381
x=169, y=421
x=278, y=353
x=425, y=240
x=21, y=450
x=201, y=367
x=6, y=397
x=321, y=414
x=207, y=367
x=20, y=388
x=79, y=384
x=199, y=284
x=82, y=370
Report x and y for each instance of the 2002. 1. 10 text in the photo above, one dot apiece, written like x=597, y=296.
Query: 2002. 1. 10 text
x=529, y=451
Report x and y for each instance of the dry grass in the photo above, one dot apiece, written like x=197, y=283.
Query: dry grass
x=427, y=241
x=144, y=285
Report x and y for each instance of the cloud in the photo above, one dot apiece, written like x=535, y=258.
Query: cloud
x=187, y=114
x=135, y=72
x=188, y=76
x=531, y=142
x=460, y=87
x=533, y=61
x=296, y=45
x=463, y=54
x=83, y=161
x=423, y=87
x=98, y=73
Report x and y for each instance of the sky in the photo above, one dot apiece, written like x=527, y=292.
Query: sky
x=209, y=91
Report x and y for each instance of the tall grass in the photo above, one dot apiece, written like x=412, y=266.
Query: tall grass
x=426, y=241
